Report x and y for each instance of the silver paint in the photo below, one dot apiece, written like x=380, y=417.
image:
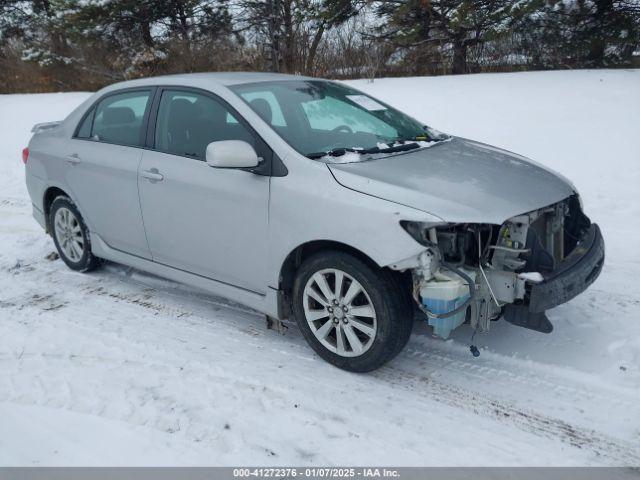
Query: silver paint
x=229, y=231
x=459, y=181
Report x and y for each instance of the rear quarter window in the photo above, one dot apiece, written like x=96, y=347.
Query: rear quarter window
x=84, y=129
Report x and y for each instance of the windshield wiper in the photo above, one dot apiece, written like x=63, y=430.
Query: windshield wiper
x=394, y=148
x=338, y=152
x=334, y=152
x=423, y=138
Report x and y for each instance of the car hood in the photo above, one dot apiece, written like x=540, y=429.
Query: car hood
x=459, y=180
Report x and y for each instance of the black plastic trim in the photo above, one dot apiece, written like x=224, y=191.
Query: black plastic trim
x=520, y=316
x=573, y=275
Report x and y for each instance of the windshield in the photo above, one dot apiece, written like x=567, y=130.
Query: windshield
x=322, y=119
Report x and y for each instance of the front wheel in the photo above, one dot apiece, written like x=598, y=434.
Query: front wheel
x=353, y=315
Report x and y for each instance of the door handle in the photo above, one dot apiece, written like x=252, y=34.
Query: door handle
x=152, y=175
x=73, y=159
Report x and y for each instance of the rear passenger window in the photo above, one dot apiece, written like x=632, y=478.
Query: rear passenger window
x=118, y=118
x=188, y=122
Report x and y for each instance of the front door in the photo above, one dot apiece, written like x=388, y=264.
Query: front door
x=208, y=221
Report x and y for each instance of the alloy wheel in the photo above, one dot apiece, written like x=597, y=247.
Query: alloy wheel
x=339, y=312
x=69, y=234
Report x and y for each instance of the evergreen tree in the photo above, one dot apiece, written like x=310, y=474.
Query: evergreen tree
x=583, y=33
x=72, y=44
x=450, y=25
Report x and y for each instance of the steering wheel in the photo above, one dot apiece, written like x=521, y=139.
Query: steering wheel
x=342, y=129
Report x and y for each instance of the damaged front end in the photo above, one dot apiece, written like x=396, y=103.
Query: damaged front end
x=477, y=273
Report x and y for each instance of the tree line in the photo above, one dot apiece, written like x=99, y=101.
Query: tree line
x=54, y=45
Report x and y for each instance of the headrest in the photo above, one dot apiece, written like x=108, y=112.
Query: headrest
x=182, y=109
x=118, y=115
x=262, y=108
x=211, y=111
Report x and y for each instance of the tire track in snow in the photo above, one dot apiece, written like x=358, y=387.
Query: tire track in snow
x=401, y=374
x=455, y=362
x=417, y=349
x=13, y=202
x=616, y=451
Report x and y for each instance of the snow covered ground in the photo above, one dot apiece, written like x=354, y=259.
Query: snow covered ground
x=118, y=367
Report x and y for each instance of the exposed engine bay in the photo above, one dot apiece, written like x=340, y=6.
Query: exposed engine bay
x=477, y=273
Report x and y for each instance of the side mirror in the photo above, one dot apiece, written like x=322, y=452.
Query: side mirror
x=231, y=154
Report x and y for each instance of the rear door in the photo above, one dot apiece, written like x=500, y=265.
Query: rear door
x=102, y=168
x=204, y=220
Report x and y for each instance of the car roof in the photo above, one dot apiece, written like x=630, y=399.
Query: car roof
x=220, y=78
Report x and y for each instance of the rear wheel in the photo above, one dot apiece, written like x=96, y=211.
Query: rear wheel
x=353, y=315
x=71, y=236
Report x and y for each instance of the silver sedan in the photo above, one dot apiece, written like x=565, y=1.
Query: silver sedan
x=306, y=199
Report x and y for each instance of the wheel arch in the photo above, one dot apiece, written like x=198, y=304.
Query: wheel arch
x=295, y=258
x=49, y=196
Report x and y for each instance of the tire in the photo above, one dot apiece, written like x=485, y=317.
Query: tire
x=380, y=315
x=71, y=235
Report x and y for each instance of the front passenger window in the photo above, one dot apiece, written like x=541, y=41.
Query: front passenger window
x=188, y=122
x=118, y=118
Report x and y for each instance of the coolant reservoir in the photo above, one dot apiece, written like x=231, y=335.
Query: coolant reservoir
x=443, y=294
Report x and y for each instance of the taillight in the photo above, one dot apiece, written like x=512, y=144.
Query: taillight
x=25, y=155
